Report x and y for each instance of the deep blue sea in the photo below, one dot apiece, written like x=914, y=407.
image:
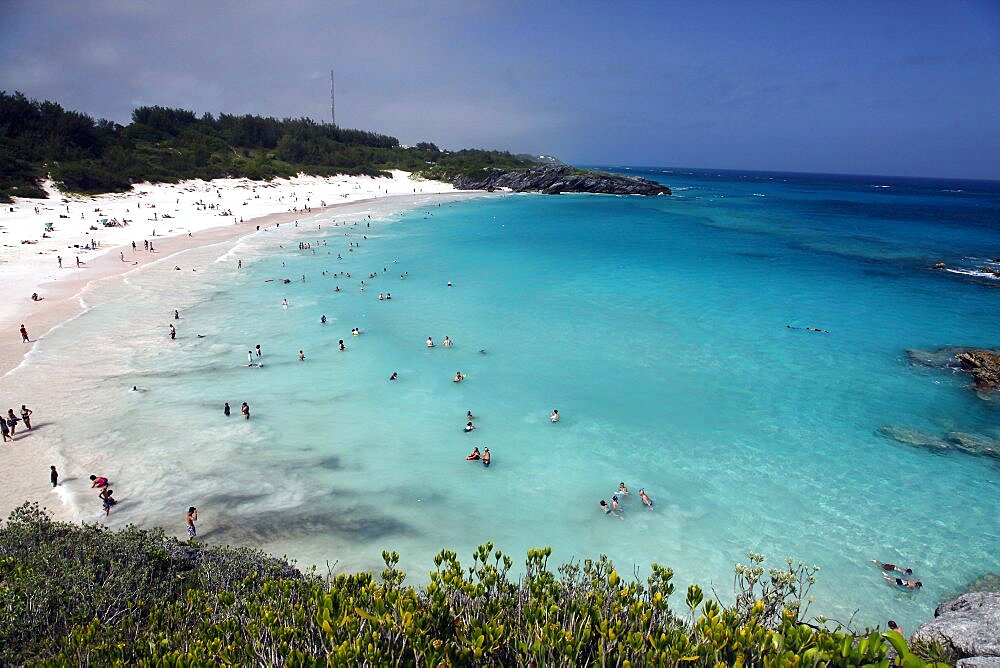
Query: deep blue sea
x=671, y=333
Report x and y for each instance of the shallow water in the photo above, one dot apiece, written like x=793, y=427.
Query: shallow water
x=658, y=329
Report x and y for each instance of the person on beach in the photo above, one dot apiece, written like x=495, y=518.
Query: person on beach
x=173, y=333
x=394, y=376
x=469, y=427
x=474, y=455
x=5, y=431
x=107, y=500
x=486, y=457
x=430, y=341
x=192, y=516
x=447, y=342
x=302, y=356
x=458, y=377
x=245, y=409
x=645, y=499
x=59, y=257
x=53, y=475
x=98, y=481
x=78, y=263
x=11, y=422
x=26, y=416
x=225, y=409
x=24, y=335
x=900, y=582
x=889, y=568
x=554, y=417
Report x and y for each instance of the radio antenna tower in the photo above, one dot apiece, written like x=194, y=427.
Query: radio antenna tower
x=333, y=104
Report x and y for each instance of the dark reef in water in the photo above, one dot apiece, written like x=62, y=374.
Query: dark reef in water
x=983, y=364
x=555, y=179
x=960, y=441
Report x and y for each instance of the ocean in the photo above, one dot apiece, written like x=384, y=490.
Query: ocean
x=671, y=333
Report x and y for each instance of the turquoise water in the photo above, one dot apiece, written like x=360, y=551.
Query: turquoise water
x=657, y=327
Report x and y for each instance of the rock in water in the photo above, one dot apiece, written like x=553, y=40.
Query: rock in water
x=555, y=179
x=969, y=625
x=984, y=367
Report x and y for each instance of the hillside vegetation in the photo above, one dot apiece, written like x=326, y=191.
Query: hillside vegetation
x=84, y=155
x=84, y=595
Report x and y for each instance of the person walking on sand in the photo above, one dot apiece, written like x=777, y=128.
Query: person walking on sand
x=26, y=416
x=59, y=257
x=24, y=334
x=54, y=475
x=78, y=263
x=245, y=409
x=98, y=481
x=5, y=431
x=192, y=517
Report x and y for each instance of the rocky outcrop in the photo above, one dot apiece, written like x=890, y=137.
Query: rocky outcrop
x=983, y=364
x=968, y=625
x=971, y=444
x=555, y=179
x=984, y=367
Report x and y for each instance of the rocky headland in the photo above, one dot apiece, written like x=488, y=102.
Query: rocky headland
x=969, y=627
x=555, y=179
x=983, y=364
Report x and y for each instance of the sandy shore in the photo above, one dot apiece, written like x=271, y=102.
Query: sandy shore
x=173, y=218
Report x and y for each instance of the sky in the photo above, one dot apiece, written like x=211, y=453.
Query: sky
x=907, y=88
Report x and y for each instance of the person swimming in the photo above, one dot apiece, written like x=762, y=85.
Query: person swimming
x=645, y=499
x=555, y=416
x=892, y=567
x=394, y=376
x=622, y=489
x=323, y=319
x=900, y=582
x=430, y=342
x=447, y=342
x=474, y=455
x=469, y=427
x=469, y=415
x=614, y=503
x=458, y=377
x=605, y=507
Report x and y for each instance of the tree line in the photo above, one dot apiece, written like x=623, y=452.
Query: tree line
x=40, y=139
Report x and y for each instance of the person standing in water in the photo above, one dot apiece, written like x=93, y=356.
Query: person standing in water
x=53, y=475
x=555, y=416
x=249, y=358
x=430, y=341
x=486, y=457
x=245, y=409
x=173, y=332
x=259, y=353
x=645, y=499
x=225, y=409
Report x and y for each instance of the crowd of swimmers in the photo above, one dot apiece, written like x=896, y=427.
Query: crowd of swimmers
x=615, y=508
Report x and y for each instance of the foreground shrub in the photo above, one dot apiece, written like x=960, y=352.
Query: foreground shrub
x=84, y=595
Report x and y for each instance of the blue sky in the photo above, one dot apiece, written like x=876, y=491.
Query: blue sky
x=902, y=88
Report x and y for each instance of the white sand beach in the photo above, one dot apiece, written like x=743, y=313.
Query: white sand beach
x=100, y=232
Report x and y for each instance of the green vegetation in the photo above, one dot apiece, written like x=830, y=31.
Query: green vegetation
x=84, y=595
x=39, y=139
